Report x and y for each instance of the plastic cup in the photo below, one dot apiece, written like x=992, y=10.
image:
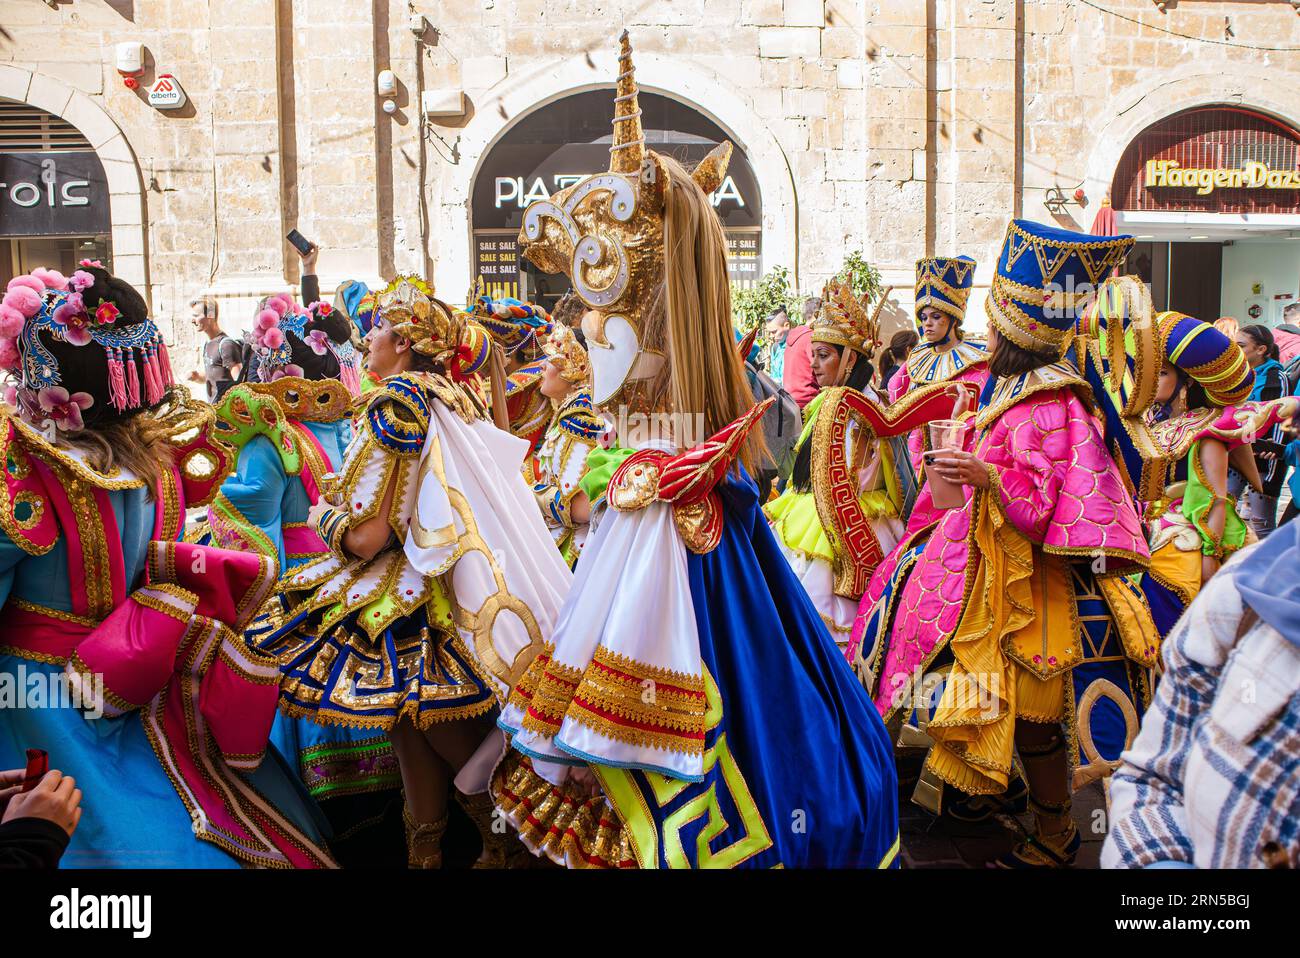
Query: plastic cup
x=946, y=435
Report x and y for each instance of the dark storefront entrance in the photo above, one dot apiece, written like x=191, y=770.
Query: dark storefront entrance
x=567, y=140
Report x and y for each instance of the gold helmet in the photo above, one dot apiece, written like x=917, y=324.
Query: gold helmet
x=567, y=355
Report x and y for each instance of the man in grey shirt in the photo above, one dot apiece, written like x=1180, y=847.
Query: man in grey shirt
x=221, y=354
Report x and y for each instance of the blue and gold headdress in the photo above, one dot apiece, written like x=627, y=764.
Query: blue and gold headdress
x=1044, y=277
x=944, y=283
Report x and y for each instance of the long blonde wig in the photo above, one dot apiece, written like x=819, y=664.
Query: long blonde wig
x=706, y=375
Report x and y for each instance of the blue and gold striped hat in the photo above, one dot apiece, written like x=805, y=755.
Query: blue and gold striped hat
x=944, y=283
x=1044, y=276
x=1207, y=356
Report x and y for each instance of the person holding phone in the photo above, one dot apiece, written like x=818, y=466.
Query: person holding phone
x=308, y=252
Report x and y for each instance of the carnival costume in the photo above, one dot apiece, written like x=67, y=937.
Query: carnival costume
x=555, y=469
x=1178, y=516
x=1026, y=581
x=836, y=532
x=99, y=594
x=944, y=284
x=517, y=328
x=290, y=433
x=445, y=619
x=753, y=722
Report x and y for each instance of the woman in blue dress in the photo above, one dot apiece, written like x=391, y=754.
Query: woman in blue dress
x=690, y=686
x=121, y=647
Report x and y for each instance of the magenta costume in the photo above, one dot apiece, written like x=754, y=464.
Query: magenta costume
x=1058, y=485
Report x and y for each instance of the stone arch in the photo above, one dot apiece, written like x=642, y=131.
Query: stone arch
x=125, y=187
x=524, y=92
x=1183, y=90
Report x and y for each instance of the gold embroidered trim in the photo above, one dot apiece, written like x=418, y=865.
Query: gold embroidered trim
x=27, y=606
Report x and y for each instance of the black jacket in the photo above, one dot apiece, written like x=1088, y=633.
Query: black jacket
x=31, y=843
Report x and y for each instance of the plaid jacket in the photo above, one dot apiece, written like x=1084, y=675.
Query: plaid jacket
x=1213, y=777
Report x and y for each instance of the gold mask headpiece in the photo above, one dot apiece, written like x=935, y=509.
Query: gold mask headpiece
x=411, y=309
x=606, y=233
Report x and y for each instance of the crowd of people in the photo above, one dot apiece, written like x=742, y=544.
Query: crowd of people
x=547, y=573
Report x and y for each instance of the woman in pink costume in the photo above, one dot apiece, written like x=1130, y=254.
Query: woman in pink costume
x=1024, y=583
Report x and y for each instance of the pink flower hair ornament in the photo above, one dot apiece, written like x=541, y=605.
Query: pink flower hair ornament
x=106, y=313
x=71, y=317
x=318, y=341
x=52, y=278
x=23, y=298
x=64, y=409
x=81, y=280
x=290, y=370
x=11, y=322
x=9, y=355
x=91, y=262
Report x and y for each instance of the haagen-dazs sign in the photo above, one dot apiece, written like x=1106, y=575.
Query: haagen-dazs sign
x=53, y=194
x=1251, y=175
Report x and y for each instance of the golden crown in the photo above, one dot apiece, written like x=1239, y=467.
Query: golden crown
x=567, y=355
x=410, y=307
x=845, y=320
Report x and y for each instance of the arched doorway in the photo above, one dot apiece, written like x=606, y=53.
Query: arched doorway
x=560, y=143
x=1213, y=196
x=54, y=207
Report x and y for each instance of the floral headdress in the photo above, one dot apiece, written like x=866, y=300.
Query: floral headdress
x=567, y=355
x=88, y=309
x=280, y=319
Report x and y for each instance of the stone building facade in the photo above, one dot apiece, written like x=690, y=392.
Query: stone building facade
x=902, y=128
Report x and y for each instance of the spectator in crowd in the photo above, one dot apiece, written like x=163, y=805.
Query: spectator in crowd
x=35, y=826
x=778, y=327
x=309, y=284
x=796, y=373
x=895, y=353
x=1210, y=779
x=1270, y=450
x=222, y=357
x=1228, y=326
x=1287, y=337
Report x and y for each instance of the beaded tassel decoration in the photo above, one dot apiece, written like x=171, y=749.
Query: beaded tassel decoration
x=116, y=378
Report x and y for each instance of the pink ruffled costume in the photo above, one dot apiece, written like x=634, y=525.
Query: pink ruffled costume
x=1059, y=487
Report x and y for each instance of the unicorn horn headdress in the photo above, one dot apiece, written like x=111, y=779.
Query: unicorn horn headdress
x=606, y=234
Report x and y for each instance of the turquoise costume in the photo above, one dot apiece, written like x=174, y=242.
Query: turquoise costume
x=263, y=507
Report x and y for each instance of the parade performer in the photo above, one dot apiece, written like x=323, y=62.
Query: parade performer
x=689, y=672
x=515, y=327
x=103, y=458
x=290, y=428
x=835, y=524
x=944, y=354
x=555, y=470
x=442, y=583
x=1025, y=583
x=1202, y=423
